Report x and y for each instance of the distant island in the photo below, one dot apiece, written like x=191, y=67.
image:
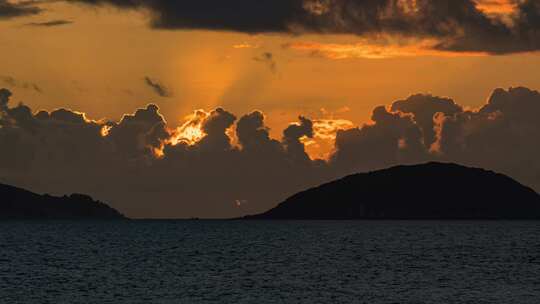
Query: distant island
x=426, y=191
x=16, y=203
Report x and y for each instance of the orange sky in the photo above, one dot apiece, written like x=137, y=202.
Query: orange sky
x=98, y=64
x=496, y=6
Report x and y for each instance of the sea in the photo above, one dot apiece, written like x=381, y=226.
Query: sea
x=199, y=261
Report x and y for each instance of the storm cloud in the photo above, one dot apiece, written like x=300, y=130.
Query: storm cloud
x=454, y=25
x=146, y=167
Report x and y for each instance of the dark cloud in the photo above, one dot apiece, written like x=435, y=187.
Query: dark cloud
x=148, y=168
x=423, y=108
x=457, y=25
x=237, y=15
x=47, y=142
x=215, y=126
x=392, y=138
x=138, y=135
x=251, y=130
x=15, y=83
x=157, y=87
x=135, y=165
x=5, y=94
x=51, y=23
x=291, y=139
x=24, y=8
x=254, y=136
x=502, y=135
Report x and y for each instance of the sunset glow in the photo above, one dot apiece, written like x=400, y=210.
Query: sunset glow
x=292, y=93
x=105, y=130
x=191, y=131
x=324, y=134
x=369, y=50
x=235, y=151
x=497, y=6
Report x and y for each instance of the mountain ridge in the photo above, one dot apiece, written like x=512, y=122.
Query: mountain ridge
x=17, y=203
x=432, y=190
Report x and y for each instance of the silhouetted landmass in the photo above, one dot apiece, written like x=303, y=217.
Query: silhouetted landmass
x=17, y=203
x=427, y=191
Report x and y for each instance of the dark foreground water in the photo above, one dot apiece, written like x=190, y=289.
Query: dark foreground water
x=270, y=262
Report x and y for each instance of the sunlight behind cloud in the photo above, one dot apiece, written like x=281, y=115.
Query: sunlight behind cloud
x=496, y=6
x=191, y=131
x=321, y=145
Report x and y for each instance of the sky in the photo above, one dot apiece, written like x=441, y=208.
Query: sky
x=333, y=62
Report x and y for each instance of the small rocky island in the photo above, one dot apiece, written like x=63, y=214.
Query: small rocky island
x=426, y=191
x=16, y=203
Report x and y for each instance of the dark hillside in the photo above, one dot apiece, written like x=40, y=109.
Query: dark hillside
x=427, y=191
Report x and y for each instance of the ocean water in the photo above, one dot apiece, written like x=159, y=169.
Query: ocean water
x=270, y=262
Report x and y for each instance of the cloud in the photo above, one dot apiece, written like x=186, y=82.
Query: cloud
x=51, y=23
x=15, y=83
x=215, y=127
x=392, y=138
x=502, y=134
x=252, y=133
x=267, y=58
x=423, y=108
x=450, y=25
x=145, y=167
x=499, y=136
x=497, y=6
x=148, y=167
x=292, y=136
x=246, y=45
x=5, y=94
x=157, y=87
x=138, y=135
x=9, y=9
x=371, y=49
x=239, y=15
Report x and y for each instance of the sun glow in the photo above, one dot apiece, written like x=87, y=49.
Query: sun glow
x=321, y=145
x=105, y=130
x=500, y=7
x=158, y=152
x=191, y=131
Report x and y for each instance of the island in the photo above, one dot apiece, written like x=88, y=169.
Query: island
x=425, y=191
x=20, y=204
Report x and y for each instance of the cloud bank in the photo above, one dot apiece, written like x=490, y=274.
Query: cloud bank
x=214, y=160
x=451, y=25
